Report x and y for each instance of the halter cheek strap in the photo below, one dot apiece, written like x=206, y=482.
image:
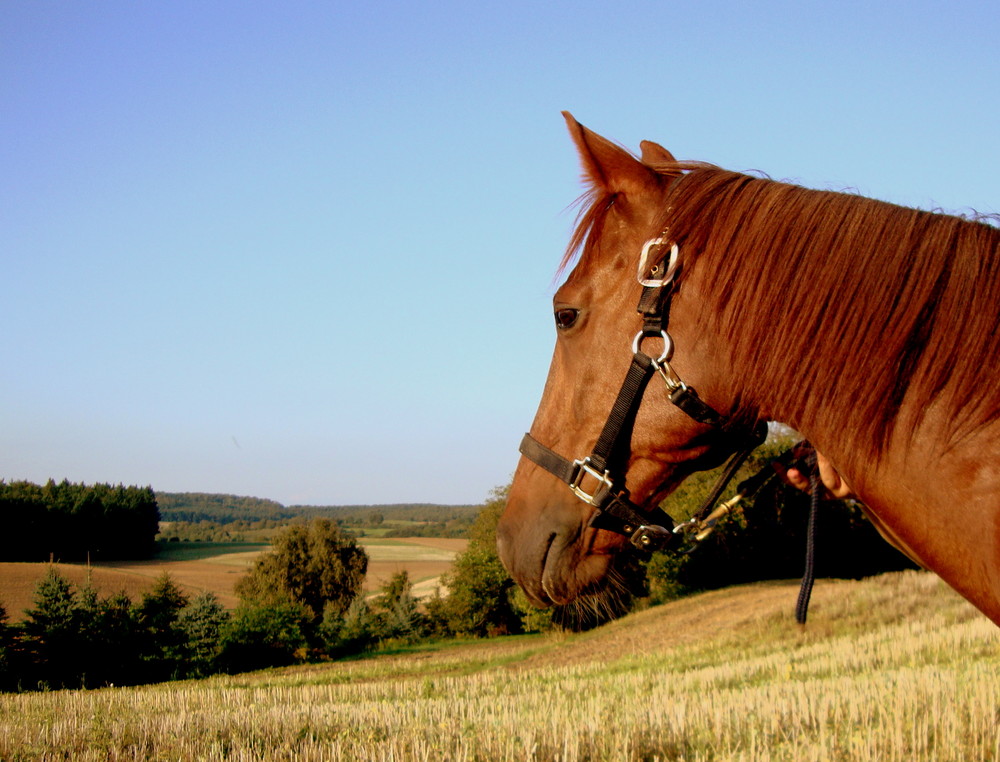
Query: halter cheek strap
x=598, y=479
x=592, y=479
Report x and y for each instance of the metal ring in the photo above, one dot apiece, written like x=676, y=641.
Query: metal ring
x=668, y=345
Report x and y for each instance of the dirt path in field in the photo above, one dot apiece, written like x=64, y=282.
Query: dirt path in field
x=385, y=560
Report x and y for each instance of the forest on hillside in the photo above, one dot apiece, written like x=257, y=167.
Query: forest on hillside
x=225, y=509
x=199, y=516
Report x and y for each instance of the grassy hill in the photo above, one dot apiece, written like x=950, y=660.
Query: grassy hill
x=892, y=668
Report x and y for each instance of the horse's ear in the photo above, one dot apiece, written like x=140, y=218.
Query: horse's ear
x=654, y=154
x=607, y=165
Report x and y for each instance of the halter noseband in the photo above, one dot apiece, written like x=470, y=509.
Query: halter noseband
x=651, y=529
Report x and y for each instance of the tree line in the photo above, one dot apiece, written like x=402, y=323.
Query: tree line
x=219, y=508
x=66, y=521
x=262, y=530
x=292, y=607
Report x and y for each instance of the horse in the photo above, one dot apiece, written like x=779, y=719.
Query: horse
x=870, y=328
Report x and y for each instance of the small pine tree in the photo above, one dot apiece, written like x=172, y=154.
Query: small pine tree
x=121, y=640
x=201, y=622
x=52, y=628
x=164, y=642
x=352, y=632
x=395, y=610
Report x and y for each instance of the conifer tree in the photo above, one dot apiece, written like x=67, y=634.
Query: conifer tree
x=158, y=612
x=53, y=630
x=202, y=621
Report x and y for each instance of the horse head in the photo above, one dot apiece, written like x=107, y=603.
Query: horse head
x=546, y=537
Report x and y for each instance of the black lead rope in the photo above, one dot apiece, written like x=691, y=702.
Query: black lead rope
x=734, y=464
x=809, y=575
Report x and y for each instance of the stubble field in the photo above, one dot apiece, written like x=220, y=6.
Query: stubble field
x=896, y=668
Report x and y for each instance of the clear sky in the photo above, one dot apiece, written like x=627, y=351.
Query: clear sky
x=305, y=250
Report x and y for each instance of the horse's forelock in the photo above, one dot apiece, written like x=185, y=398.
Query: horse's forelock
x=593, y=209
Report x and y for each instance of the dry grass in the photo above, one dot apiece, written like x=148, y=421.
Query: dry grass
x=896, y=668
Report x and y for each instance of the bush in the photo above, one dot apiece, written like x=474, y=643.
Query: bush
x=259, y=636
x=480, y=590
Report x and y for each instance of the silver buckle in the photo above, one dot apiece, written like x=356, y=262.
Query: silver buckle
x=670, y=267
x=585, y=469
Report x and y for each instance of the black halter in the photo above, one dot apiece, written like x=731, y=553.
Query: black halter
x=606, y=465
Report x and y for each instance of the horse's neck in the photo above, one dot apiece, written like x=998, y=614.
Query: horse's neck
x=940, y=504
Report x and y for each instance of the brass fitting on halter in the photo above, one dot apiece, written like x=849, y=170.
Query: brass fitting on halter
x=696, y=530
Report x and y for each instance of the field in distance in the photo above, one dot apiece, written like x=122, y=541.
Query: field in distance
x=895, y=668
x=203, y=566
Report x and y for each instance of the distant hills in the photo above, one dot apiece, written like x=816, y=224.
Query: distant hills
x=226, y=509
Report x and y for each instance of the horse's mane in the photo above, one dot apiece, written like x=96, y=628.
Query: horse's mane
x=846, y=296
x=852, y=297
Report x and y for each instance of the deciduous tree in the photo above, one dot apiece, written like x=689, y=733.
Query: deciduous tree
x=318, y=566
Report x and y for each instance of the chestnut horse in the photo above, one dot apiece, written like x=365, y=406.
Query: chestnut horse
x=870, y=328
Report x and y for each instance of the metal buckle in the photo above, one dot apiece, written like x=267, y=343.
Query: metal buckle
x=687, y=531
x=585, y=469
x=669, y=269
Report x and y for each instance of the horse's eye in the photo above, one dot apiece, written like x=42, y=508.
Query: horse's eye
x=565, y=317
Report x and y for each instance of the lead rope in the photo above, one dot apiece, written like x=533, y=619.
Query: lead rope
x=809, y=575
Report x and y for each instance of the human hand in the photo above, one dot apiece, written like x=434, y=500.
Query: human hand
x=836, y=486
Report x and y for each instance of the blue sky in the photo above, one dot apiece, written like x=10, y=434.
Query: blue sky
x=305, y=251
